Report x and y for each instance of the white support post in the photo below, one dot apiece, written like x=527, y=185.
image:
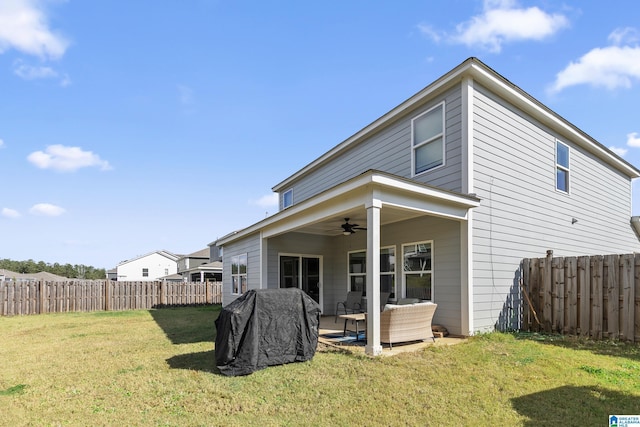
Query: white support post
x=373, y=347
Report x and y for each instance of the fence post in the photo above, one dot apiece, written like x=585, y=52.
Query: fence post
x=571, y=292
x=41, y=289
x=627, y=286
x=585, y=295
x=163, y=294
x=547, y=286
x=597, y=296
x=107, y=295
x=557, y=295
x=612, y=268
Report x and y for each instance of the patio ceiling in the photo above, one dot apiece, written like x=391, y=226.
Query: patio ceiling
x=333, y=226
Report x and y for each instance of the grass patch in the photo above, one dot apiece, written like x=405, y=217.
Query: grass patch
x=16, y=389
x=157, y=367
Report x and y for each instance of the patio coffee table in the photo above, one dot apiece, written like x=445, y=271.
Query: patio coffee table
x=357, y=318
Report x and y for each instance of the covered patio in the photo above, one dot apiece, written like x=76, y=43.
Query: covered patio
x=331, y=338
x=397, y=217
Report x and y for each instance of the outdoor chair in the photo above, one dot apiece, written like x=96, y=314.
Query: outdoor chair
x=353, y=304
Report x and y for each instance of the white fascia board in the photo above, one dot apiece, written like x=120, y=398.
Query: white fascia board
x=345, y=196
x=431, y=192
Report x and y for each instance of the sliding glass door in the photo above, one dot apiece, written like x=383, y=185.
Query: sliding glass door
x=303, y=272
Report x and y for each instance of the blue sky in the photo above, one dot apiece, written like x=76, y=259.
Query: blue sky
x=130, y=127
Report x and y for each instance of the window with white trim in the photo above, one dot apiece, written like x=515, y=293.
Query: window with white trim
x=428, y=139
x=417, y=270
x=239, y=274
x=562, y=167
x=287, y=198
x=358, y=271
x=145, y=272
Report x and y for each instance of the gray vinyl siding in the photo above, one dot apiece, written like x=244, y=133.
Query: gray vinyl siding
x=445, y=235
x=390, y=151
x=251, y=246
x=523, y=215
x=297, y=244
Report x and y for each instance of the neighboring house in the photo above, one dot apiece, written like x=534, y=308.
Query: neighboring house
x=149, y=267
x=450, y=190
x=196, y=267
x=11, y=276
x=112, y=274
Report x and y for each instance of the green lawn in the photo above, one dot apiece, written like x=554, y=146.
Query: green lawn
x=140, y=368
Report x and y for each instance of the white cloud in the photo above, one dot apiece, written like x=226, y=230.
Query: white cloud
x=66, y=159
x=46, y=209
x=619, y=151
x=1, y=143
x=10, y=213
x=24, y=26
x=633, y=140
x=430, y=32
x=266, y=201
x=29, y=72
x=627, y=35
x=503, y=21
x=610, y=67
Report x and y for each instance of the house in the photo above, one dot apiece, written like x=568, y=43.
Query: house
x=11, y=276
x=148, y=267
x=440, y=199
x=196, y=267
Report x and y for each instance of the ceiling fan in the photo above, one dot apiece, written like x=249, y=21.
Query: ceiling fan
x=348, y=229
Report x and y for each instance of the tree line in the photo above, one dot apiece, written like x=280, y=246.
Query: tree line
x=78, y=271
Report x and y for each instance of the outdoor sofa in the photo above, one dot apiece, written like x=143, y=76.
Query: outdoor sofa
x=407, y=322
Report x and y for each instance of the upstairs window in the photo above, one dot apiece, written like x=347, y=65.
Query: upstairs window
x=287, y=199
x=428, y=140
x=145, y=272
x=562, y=167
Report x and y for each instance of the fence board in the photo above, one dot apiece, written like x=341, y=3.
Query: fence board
x=596, y=296
x=547, y=293
x=584, y=295
x=571, y=294
x=612, y=295
x=627, y=309
x=23, y=298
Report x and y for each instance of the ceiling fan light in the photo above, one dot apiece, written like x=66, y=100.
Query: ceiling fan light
x=346, y=233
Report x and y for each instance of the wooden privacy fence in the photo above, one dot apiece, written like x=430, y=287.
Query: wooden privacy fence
x=592, y=296
x=39, y=297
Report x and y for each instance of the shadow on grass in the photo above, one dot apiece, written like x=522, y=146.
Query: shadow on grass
x=602, y=347
x=190, y=325
x=570, y=405
x=204, y=361
x=187, y=325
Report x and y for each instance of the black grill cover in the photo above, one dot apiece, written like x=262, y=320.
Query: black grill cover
x=266, y=327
